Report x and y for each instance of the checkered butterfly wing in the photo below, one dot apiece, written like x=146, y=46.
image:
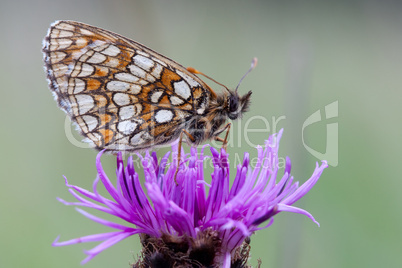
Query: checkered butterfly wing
x=121, y=94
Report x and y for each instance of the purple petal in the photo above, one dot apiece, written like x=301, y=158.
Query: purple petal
x=283, y=207
x=102, y=221
x=302, y=190
x=84, y=239
x=106, y=244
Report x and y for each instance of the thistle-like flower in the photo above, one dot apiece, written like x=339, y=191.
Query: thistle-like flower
x=192, y=223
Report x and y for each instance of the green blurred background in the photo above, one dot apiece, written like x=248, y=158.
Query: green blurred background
x=311, y=54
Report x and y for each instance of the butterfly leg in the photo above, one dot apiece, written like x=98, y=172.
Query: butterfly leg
x=225, y=140
x=183, y=131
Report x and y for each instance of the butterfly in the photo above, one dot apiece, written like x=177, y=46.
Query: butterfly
x=124, y=96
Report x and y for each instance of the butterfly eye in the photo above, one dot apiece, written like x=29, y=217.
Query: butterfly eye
x=233, y=107
x=233, y=104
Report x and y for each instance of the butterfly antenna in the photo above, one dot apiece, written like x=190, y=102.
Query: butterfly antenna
x=253, y=65
x=194, y=71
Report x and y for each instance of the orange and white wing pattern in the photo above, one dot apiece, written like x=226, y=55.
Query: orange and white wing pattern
x=122, y=95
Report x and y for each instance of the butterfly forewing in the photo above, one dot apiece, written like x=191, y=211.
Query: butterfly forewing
x=121, y=94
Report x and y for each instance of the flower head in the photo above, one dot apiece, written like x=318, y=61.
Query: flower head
x=192, y=216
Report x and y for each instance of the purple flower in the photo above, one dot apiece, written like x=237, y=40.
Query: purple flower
x=192, y=215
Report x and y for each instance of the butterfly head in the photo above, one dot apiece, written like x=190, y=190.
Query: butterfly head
x=237, y=105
